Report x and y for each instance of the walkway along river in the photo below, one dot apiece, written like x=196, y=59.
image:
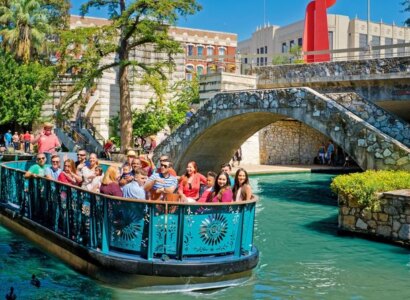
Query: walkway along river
x=302, y=257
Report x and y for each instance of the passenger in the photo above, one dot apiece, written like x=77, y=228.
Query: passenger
x=135, y=189
x=109, y=184
x=88, y=172
x=222, y=189
x=161, y=183
x=37, y=169
x=228, y=169
x=96, y=183
x=165, y=158
x=54, y=170
x=81, y=160
x=131, y=155
x=148, y=165
x=70, y=174
x=127, y=175
x=7, y=139
x=242, y=189
x=190, y=183
x=210, y=182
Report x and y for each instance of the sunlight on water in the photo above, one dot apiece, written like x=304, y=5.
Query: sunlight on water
x=302, y=257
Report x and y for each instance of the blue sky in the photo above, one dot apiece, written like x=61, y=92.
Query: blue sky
x=243, y=16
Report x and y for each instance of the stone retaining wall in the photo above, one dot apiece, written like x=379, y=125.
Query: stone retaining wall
x=289, y=142
x=391, y=221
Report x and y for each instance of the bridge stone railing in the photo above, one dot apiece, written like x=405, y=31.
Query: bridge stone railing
x=374, y=115
x=334, y=73
x=220, y=126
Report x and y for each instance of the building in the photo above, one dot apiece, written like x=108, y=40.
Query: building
x=203, y=51
x=271, y=40
x=206, y=51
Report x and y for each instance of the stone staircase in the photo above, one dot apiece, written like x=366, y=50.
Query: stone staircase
x=373, y=114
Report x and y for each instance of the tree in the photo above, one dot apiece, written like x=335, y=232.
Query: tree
x=25, y=27
x=406, y=4
x=135, y=24
x=23, y=90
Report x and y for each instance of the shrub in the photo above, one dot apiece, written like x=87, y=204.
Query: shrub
x=363, y=187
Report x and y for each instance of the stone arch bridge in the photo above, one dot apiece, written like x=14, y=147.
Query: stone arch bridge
x=226, y=121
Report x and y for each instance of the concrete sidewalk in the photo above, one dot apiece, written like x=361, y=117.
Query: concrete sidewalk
x=277, y=169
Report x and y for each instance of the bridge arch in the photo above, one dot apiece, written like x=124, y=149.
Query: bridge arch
x=226, y=121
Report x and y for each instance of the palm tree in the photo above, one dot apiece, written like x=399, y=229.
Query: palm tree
x=24, y=28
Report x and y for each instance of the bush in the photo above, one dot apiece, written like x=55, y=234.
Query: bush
x=364, y=187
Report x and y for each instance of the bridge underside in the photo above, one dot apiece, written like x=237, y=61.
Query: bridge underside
x=218, y=144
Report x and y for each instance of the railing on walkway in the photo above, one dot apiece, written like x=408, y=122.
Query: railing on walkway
x=140, y=228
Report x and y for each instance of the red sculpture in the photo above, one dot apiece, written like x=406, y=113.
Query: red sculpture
x=316, y=36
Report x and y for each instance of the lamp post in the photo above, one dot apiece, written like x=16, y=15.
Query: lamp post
x=369, y=46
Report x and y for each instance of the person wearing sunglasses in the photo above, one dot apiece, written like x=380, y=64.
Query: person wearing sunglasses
x=54, y=170
x=162, y=182
x=81, y=160
x=39, y=168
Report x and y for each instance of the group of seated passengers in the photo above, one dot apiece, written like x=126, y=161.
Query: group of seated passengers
x=139, y=180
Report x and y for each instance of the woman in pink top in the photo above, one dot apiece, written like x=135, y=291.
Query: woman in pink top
x=190, y=183
x=222, y=189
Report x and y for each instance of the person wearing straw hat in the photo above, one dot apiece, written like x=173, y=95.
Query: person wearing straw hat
x=47, y=141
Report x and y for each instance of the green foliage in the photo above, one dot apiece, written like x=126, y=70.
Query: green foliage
x=24, y=28
x=23, y=90
x=364, y=187
x=150, y=120
x=135, y=24
x=406, y=4
x=294, y=57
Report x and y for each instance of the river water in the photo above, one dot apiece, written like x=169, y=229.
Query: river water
x=302, y=257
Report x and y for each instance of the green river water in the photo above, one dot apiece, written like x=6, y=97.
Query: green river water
x=302, y=257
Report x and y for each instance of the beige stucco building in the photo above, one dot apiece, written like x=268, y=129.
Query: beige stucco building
x=344, y=33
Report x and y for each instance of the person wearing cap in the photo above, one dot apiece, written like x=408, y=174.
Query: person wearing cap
x=47, y=141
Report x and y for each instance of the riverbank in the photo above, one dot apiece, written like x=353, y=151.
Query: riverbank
x=281, y=169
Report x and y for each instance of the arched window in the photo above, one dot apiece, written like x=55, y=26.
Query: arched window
x=200, y=50
x=200, y=70
x=189, y=70
x=221, y=52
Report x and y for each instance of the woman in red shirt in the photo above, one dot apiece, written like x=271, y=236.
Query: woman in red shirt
x=190, y=183
x=69, y=173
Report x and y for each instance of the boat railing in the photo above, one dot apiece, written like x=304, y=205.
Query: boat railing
x=121, y=226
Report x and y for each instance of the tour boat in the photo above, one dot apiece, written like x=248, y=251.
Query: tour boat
x=127, y=242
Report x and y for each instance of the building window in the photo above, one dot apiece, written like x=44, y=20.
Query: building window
x=300, y=42
x=221, y=53
x=257, y=51
x=190, y=50
x=257, y=61
x=199, y=70
x=189, y=70
x=376, y=42
x=266, y=61
x=330, y=35
x=200, y=50
x=245, y=60
x=284, y=48
x=362, y=44
x=387, y=42
x=291, y=44
x=262, y=51
x=209, y=51
x=401, y=50
x=266, y=49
